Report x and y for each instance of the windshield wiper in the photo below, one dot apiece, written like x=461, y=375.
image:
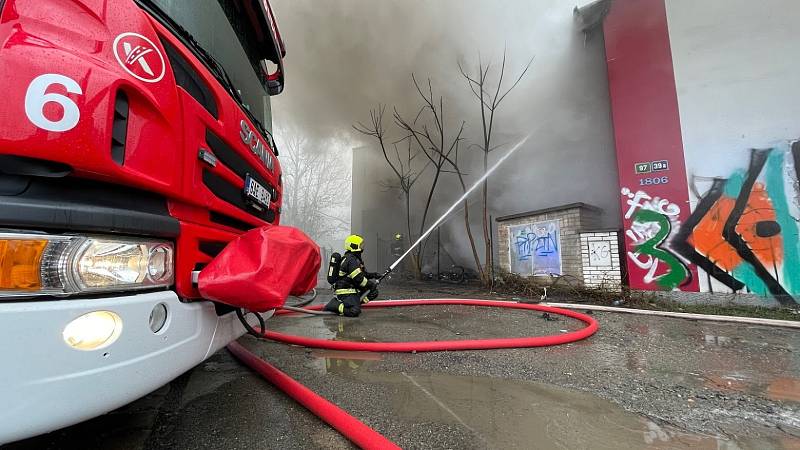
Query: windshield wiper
x=228, y=83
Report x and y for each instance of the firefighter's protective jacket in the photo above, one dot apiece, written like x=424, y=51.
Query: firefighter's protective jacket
x=353, y=277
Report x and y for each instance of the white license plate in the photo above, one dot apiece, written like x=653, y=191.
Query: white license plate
x=256, y=193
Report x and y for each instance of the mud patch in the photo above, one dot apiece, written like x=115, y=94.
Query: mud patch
x=504, y=413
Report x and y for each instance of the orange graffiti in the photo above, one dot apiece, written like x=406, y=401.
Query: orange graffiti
x=768, y=249
x=707, y=237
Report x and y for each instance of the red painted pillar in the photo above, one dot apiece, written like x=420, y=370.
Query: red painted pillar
x=647, y=131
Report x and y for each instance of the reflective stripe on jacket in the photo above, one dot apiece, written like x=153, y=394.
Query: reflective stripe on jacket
x=351, y=274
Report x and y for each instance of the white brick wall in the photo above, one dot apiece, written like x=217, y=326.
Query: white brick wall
x=574, y=252
x=602, y=268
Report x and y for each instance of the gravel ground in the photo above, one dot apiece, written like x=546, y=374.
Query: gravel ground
x=640, y=382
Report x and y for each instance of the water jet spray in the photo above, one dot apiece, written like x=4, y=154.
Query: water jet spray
x=455, y=205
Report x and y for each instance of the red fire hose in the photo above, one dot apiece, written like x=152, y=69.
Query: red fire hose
x=438, y=346
x=355, y=430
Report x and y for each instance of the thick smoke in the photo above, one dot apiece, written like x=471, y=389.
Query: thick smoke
x=345, y=56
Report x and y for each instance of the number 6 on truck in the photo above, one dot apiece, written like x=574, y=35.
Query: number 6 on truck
x=36, y=98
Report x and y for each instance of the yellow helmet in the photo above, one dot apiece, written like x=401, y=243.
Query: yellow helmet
x=354, y=243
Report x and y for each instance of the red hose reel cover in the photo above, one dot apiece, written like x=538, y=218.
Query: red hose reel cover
x=261, y=268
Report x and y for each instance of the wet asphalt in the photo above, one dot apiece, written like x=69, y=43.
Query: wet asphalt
x=640, y=382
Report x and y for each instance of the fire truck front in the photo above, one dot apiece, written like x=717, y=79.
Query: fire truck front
x=134, y=144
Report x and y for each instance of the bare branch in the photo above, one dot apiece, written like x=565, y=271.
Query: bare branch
x=519, y=78
x=399, y=159
x=417, y=175
x=377, y=131
x=489, y=104
x=500, y=80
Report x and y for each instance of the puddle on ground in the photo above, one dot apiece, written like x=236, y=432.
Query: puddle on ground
x=712, y=340
x=426, y=323
x=520, y=414
x=312, y=326
x=755, y=363
x=725, y=370
x=344, y=362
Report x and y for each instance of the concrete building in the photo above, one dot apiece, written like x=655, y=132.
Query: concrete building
x=704, y=98
x=685, y=118
x=377, y=210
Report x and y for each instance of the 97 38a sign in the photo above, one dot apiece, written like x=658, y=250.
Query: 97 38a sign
x=651, y=166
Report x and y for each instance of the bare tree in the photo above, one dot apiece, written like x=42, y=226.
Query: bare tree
x=429, y=131
x=426, y=133
x=457, y=170
x=489, y=98
x=405, y=160
x=316, y=189
x=401, y=164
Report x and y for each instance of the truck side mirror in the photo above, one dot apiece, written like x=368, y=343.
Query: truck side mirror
x=275, y=82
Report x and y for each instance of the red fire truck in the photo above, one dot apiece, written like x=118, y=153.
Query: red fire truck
x=134, y=144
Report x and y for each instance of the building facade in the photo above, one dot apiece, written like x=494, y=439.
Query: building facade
x=684, y=136
x=705, y=99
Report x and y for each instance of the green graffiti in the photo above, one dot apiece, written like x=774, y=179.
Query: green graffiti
x=745, y=273
x=773, y=177
x=734, y=184
x=677, y=270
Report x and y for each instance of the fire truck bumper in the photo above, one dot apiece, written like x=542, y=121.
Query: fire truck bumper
x=48, y=383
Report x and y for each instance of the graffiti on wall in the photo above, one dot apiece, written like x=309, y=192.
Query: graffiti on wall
x=743, y=233
x=652, y=221
x=599, y=254
x=534, y=249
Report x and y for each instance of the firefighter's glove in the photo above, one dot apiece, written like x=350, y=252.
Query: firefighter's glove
x=372, y=285
x=373, y=294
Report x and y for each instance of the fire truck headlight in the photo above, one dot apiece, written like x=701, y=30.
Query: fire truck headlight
x=93, y=330
x=159, y=263
x=45, y=264
x=103, y=264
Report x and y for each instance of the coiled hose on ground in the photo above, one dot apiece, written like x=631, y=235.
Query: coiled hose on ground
x=350, y=427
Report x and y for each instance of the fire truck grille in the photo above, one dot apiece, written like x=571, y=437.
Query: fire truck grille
x=228, y=192
x=233, y=195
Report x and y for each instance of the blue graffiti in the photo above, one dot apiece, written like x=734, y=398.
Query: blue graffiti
x=531, y=244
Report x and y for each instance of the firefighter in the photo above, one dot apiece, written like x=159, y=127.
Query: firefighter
x=397, y=245
x=353, y=280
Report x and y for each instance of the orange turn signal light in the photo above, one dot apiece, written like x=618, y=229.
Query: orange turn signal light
x=20, y=264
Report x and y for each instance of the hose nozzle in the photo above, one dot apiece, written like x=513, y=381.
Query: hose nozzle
x=384, y=274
